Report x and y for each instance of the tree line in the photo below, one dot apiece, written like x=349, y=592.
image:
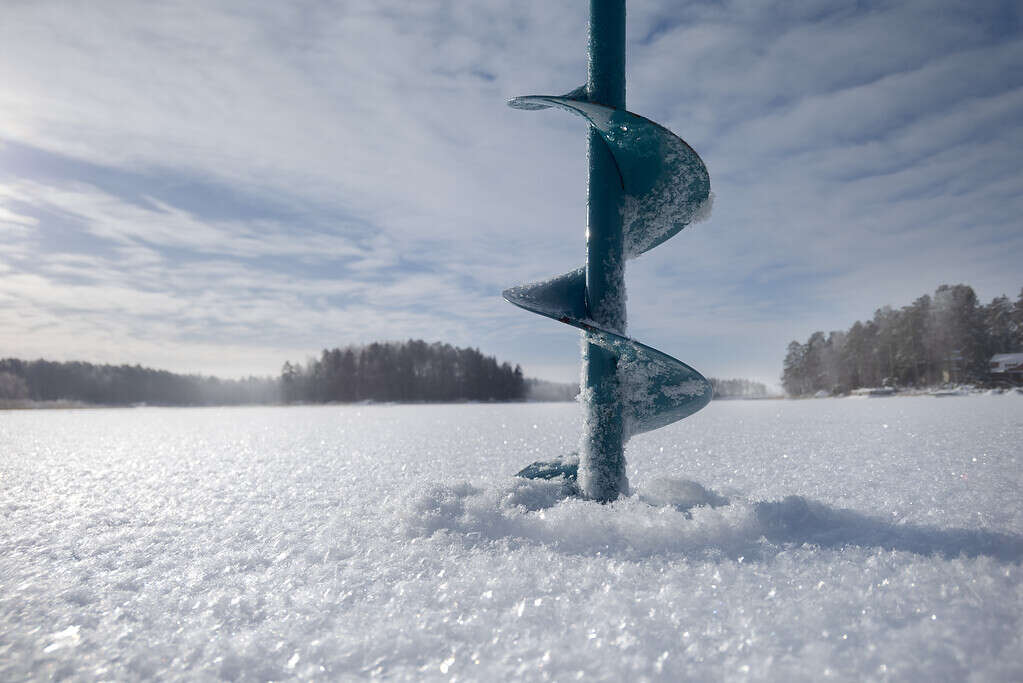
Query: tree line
x=412, y=371
x=402, y=371
x=43, y=380
x=949, y=337
x=737, y=388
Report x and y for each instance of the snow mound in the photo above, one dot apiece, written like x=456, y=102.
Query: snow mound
x=677, y=518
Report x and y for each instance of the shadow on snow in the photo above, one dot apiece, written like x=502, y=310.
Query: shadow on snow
x=798, y=520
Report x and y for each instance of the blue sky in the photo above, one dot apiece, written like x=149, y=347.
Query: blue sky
x=216, y=187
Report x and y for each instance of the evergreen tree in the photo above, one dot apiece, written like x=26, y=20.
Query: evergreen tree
x=999, y=326
x=792, y=377
x=12, y=386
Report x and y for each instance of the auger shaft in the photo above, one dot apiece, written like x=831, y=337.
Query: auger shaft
x=645, y=185
x=602, y=473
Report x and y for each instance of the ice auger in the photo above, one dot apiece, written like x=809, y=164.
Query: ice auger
x=645, y=185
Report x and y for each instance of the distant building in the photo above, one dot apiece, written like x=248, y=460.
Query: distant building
x=1007, y=367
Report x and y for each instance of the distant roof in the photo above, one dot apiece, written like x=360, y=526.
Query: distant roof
x=1007, y=363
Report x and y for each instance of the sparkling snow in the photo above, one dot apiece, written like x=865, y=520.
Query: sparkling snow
x=876, y=539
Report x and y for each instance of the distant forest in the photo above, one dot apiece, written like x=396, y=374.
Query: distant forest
x=949, y=337
x=43, y=380
x=402, y=371
x=412, y=371
x=405, y=371
x=737, y=388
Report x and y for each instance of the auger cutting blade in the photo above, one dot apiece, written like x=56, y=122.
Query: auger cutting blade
x=666, y=182
x=656, y=388
x=667, y=187
x=562, y=298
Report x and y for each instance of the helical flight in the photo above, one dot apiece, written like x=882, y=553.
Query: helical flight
x=665, y=186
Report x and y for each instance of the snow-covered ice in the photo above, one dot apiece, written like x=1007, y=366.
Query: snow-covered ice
x=770, y=540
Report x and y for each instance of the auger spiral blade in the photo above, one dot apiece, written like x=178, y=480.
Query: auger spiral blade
x=667, y=188
x=656, y=388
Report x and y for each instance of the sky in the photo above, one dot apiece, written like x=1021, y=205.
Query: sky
x=218, y=187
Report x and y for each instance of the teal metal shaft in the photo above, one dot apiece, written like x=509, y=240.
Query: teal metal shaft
x=645, y=185
x=602, y=473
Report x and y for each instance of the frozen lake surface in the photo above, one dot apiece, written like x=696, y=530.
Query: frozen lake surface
x=872, y=539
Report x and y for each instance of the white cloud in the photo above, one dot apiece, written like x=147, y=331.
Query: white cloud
x=859, y=157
